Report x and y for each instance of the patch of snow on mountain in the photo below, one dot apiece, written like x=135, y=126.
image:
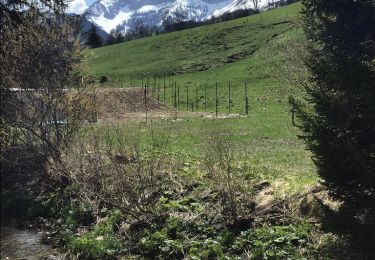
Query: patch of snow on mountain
x=188, y=10
x=239, y=4
x=109, y=24
x=125, y=14
x=215, y=8
x=147, y=8
x=108, y=3
x=77, y=7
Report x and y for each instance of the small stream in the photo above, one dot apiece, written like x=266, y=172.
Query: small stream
x=24, y=244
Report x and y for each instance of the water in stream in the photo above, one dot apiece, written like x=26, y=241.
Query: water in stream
x=24, y=244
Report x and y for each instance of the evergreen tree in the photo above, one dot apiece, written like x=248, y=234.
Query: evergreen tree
x=120, y=37
x=93, y=38
x=111, y=39
x=338, y=119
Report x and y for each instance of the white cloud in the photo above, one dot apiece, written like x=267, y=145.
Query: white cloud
x=77, y=6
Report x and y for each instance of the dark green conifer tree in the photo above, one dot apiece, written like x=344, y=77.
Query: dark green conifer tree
x=339, y=121
x=93, y=38
x=111, y=39
x=120, y=37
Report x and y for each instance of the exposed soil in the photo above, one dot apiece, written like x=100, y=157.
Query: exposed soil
x=117, y=104
x=114, y=102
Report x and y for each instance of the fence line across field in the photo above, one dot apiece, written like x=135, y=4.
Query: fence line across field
x=159, y=84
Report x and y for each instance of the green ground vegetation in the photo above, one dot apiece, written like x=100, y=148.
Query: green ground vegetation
x=264, y=144
x=190, y=187
x=233, y=52
x=248, y=49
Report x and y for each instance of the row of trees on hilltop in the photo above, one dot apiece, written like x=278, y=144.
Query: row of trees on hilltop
x=170, y=25
x=94, y=40
x=115, y=37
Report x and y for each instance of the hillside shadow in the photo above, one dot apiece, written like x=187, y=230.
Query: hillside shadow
x=22, y=171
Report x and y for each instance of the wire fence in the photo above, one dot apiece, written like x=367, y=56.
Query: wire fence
x=217, y=97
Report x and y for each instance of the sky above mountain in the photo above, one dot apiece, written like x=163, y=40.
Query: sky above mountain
x=79, y=6
x=125, y=15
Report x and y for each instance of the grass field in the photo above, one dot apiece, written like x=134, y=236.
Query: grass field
x=199, y=49
x=233, y=52
x=238, y=51
x=182, y=70
x=194, y=176
x=264, y=151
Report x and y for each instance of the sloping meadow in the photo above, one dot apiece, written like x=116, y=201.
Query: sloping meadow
x=226, y=186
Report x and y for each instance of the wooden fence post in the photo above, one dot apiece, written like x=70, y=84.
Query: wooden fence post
x=164, y=91
x=205, y=97
x=196, y=98
x=148, y=83
x=159, y=92
x=171, y=87
x=145, y=100
x=178, y=97
x=216, y=100
x=159, y=87
x=246, y=100
x=229, y=100
x=175, y=94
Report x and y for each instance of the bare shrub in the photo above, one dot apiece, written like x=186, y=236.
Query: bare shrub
x=112, y=168
x=220, y=152
x=40, y=61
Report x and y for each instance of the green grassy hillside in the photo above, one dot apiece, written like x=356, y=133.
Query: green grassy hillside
x=235, y=51
x=263, y=146
x=248, y=49
x=199, y=49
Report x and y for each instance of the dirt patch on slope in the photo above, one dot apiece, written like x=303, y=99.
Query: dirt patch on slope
x=116, y=103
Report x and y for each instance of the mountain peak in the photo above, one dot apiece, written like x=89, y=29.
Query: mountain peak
x=123, y=15
x=77, y=7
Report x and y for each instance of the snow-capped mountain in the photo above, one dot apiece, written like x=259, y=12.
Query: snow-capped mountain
x=124, y=15
x=77, y=7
